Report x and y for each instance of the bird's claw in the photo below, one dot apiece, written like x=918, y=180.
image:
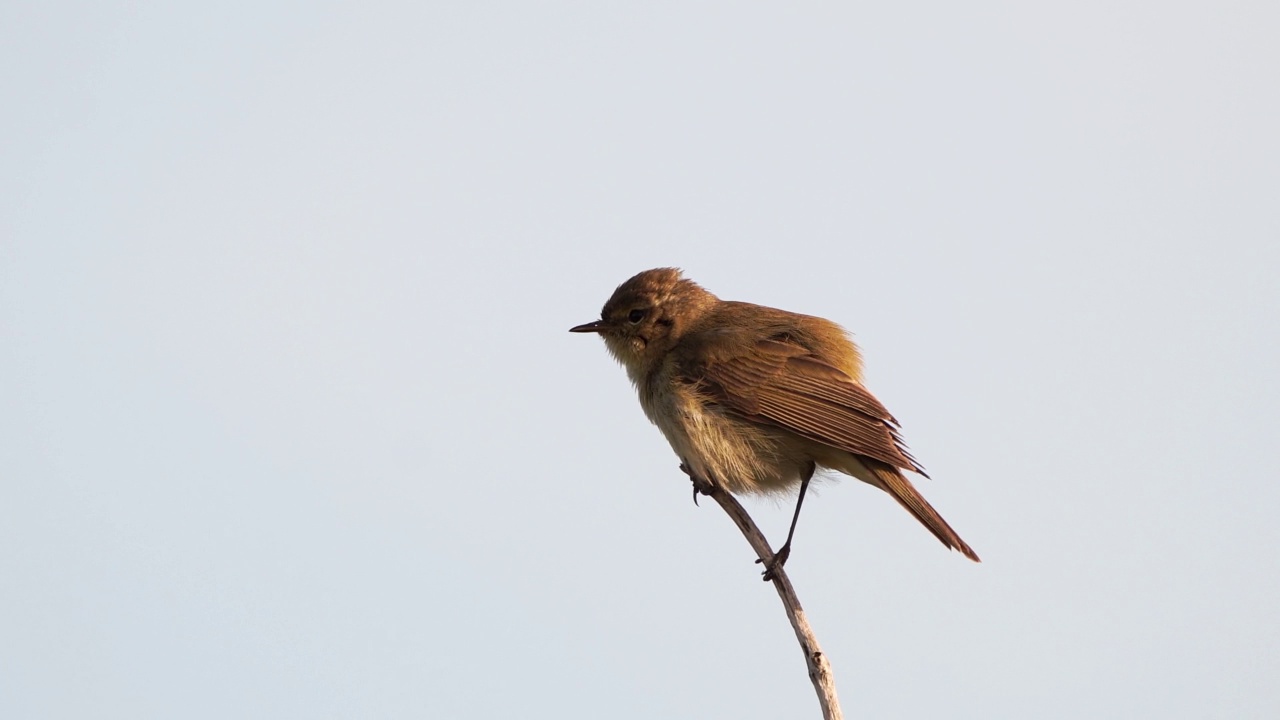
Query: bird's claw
x=700, y=486
x=779, y=559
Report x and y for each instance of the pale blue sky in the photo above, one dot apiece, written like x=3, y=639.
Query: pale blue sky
x=291, y=425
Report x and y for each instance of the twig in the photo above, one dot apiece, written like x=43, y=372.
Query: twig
x=819, y=669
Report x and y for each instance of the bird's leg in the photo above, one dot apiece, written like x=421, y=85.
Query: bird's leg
x=700, y=486
x=780, y=557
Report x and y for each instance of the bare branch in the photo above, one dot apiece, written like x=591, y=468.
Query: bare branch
x=819, y=669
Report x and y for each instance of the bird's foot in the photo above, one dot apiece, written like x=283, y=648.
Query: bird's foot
x=700, y=486
x=779, y=559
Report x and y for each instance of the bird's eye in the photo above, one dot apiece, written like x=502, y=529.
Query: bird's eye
x=636, y=316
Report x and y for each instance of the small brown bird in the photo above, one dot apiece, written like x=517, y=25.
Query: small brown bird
x=755, y=399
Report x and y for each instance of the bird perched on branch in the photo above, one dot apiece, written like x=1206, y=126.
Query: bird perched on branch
x=753, y=399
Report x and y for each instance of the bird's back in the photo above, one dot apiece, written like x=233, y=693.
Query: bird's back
x=733, y=328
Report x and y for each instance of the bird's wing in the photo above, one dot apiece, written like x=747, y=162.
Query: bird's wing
x=785, y=385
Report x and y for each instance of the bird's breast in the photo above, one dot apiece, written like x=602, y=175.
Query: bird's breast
x=739, y=455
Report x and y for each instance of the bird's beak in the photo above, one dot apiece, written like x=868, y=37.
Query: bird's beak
x=594, y=326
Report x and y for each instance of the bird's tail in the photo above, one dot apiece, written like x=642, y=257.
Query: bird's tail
x=891, y=480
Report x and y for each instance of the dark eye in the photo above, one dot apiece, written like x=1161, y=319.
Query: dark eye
x=636, y=316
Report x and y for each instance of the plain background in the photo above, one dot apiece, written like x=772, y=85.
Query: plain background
x=291, y=425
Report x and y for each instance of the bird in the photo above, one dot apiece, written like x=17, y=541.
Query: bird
x=754, y=400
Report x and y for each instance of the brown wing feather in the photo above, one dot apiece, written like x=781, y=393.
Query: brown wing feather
x=785, y=385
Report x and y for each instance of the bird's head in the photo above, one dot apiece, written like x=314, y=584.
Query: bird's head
x=647, y=315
